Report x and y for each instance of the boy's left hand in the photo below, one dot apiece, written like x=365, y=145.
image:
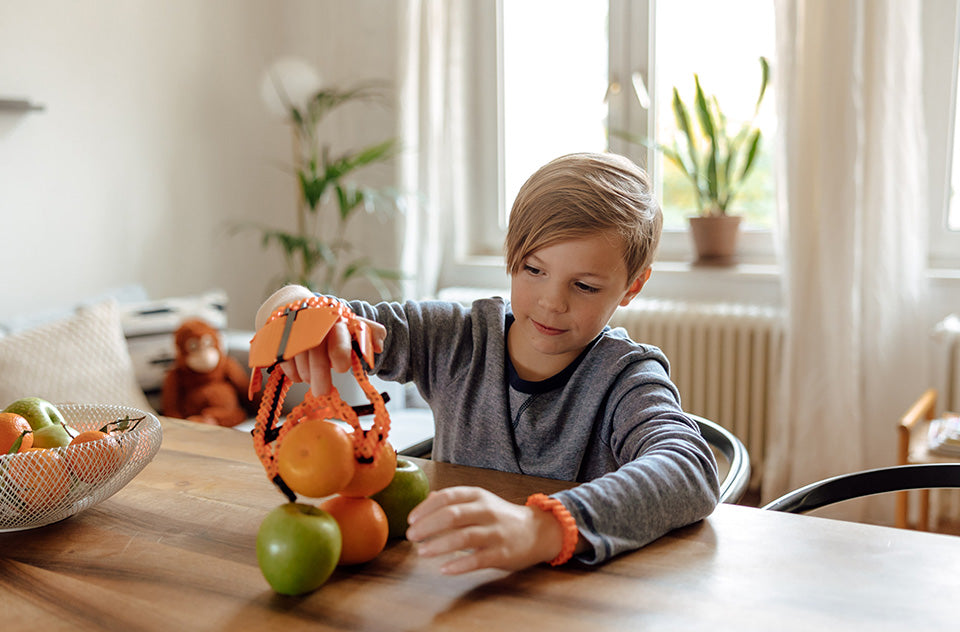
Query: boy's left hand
x=486, y=530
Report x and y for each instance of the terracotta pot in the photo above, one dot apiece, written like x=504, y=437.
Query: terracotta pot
x=715, y=239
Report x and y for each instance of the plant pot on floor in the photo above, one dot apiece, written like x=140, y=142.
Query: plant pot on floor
x=715, y=239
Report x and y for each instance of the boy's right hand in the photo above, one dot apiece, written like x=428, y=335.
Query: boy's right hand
x=334, y=351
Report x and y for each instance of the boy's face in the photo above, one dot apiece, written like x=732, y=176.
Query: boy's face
x=562, y=297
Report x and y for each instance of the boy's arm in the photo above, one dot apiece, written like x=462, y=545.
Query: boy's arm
x=671, y=482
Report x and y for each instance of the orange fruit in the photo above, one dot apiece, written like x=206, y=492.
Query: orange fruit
x=363, y=527
x=93, y=456
x=315, y=458
x=370, y=478
x=12, y=426
x=39, y=477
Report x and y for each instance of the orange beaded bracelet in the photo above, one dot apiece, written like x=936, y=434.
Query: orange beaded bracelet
x=567, y=523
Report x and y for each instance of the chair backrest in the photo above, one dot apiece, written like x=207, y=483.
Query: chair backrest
x=735, y=480
x=866, y=483
x=924, y=409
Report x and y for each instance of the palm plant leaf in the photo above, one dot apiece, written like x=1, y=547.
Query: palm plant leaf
x=339, y=167
x=325, y=101
x=317, y=253
x=312, y=186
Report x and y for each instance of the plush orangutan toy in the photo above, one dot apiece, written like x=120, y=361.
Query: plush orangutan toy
x=205, y=384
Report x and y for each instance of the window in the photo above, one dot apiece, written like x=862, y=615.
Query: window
x=738, y=32
x=942, y=108
x=554, y=107
x=571, y=70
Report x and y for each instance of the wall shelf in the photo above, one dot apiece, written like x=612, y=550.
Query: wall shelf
x=18, y=105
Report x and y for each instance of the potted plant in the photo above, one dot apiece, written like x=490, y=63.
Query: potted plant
x=716, y=161
x=318, y=253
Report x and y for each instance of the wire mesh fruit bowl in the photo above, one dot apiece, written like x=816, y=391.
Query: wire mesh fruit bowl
x=39, y=487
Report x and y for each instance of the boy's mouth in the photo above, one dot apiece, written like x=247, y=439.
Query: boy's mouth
x=544, y=329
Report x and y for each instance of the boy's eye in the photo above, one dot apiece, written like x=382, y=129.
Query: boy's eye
x=529, y=268
x=587, y=288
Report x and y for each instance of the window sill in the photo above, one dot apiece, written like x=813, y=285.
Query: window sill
x=742, y=283
x=751, y=283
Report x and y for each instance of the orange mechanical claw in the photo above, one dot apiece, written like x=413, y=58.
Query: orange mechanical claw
x=293, y=329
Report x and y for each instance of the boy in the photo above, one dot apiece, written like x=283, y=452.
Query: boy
x=540, y=386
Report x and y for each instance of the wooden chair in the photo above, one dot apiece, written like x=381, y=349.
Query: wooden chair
x=911, y=450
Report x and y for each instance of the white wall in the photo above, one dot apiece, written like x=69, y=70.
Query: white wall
x=154, y=140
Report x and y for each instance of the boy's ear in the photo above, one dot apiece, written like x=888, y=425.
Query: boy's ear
x=635, y=287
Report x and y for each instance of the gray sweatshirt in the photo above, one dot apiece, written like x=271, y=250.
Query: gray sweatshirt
x=611, y=420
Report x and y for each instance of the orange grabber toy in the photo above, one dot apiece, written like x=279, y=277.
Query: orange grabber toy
x=295, y=328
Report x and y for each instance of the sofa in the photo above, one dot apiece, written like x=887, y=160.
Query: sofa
x=115, y=348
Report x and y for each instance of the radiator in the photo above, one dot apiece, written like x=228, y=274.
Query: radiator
x=724, y=358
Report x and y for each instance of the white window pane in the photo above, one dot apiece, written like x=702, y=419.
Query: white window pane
x=953, y=217
x=721, y=42
x=554, y=81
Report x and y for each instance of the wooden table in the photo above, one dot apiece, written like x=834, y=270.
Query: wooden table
x=174, y=550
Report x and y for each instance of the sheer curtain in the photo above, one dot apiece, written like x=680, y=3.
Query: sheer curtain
x=428, y=164
x=852, y=186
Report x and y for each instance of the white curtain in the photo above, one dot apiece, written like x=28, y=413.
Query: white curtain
x=852, y=208
x=433, y=111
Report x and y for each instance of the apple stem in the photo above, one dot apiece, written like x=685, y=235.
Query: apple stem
x=67, y=429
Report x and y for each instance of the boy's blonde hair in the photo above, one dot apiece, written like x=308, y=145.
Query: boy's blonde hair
x=580, y=195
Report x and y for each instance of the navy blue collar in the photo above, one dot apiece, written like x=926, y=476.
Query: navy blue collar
x=558, y=380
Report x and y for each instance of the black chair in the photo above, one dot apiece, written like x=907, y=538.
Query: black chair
x=732, y=457
x=733, y=460
x=897, y=478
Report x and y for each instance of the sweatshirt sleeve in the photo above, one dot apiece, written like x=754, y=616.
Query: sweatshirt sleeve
x=668, y=477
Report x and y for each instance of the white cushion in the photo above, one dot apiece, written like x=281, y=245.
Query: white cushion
x=80, y=359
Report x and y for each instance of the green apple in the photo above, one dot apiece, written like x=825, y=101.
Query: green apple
x=38, y=412
x=298, y=546
x=408, y=489
x=52, y=436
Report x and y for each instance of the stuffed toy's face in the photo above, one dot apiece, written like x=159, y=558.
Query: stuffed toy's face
x=202, y=354
x=198, y=347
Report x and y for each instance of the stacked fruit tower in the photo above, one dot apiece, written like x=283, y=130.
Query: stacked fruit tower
x=300, y=544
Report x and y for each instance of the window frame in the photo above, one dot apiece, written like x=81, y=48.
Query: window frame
x=941, y=21
x=476, y=260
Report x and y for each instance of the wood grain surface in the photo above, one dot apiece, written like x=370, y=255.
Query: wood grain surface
x=174, y=550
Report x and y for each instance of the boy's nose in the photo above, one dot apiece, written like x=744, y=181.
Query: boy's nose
x=553, y=299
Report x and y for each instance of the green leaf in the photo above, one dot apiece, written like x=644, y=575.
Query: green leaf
x=683, y=124
x=754, y=148
x=709, y=127
x=312, y=188
x=325, y=101
x=349, y=198
x=764, y=80
x=18, y=442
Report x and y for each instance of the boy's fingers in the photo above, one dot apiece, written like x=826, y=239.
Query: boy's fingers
x=320, y=382
x=289, y=369
x=379, y=335
x=435, y=500
x=339, y=347
x=443, y=511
